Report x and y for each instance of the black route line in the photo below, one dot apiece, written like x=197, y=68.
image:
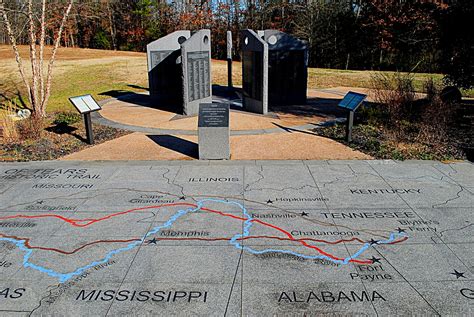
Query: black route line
x=345, y=246
x=233, y=283
x=400, y=196
x=450, y=199
x=448, y=175
x=43, y=298
x=146, y=218
x=128, y=270
x=279, y=189
x=455, y=229
x=413, y=287
x=259, y=172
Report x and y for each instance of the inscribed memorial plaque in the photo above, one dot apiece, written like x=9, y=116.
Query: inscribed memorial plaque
x=213, y=131
x=198, y=75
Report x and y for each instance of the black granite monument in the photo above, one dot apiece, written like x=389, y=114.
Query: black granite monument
x=287, y=68
x=179, y=70
x=274, y=70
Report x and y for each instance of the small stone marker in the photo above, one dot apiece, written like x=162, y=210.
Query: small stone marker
x=213, y=131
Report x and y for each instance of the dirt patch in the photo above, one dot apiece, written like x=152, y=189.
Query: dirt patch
x=67, y=53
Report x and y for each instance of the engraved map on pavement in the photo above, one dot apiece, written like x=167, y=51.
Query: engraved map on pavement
x=237, y=238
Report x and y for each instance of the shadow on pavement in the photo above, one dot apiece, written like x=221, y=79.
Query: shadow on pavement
x=291, y=130
x=176, y=144
x=142, y=100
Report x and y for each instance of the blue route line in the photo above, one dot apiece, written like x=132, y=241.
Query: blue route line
x=63, y=277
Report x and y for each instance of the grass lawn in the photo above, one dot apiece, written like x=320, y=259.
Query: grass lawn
x=107, y=73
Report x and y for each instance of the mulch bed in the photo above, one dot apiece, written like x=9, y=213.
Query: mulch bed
x=377, y=141
x=57, y=141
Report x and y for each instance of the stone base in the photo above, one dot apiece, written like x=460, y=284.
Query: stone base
x=214, y=143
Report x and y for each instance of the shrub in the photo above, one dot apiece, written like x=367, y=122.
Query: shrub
x=31, y=128
x=437, y=116
x=66, y=118
x=8, y=125
x=396, y=91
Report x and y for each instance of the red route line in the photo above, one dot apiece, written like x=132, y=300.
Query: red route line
x=290, y=236
x=90, y=221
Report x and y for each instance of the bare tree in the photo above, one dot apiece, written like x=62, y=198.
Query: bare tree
x=39, y=85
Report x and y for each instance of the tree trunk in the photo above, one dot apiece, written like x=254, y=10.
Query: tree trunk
x=38, y=87
x=111, y=25
x=18, y=59
x=57, y=41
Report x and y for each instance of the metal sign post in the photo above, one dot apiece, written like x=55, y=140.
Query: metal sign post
x=229, y=59
x=350, y=123
x=85, y=105
x=351, y=101
x=88, y=123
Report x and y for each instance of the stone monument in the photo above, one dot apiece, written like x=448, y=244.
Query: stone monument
x=213, y=131
x=165, y=69
x=254, y=72
x=197, y=88
x=179, y=70
x=287, y=68
x=274, y=70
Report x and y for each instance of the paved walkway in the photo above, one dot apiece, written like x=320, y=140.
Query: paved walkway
x=237, y=238
x=290, y=145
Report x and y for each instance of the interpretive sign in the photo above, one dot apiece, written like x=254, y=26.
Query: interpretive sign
x=85, y=104
x=351, y=101
x=213, y=131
